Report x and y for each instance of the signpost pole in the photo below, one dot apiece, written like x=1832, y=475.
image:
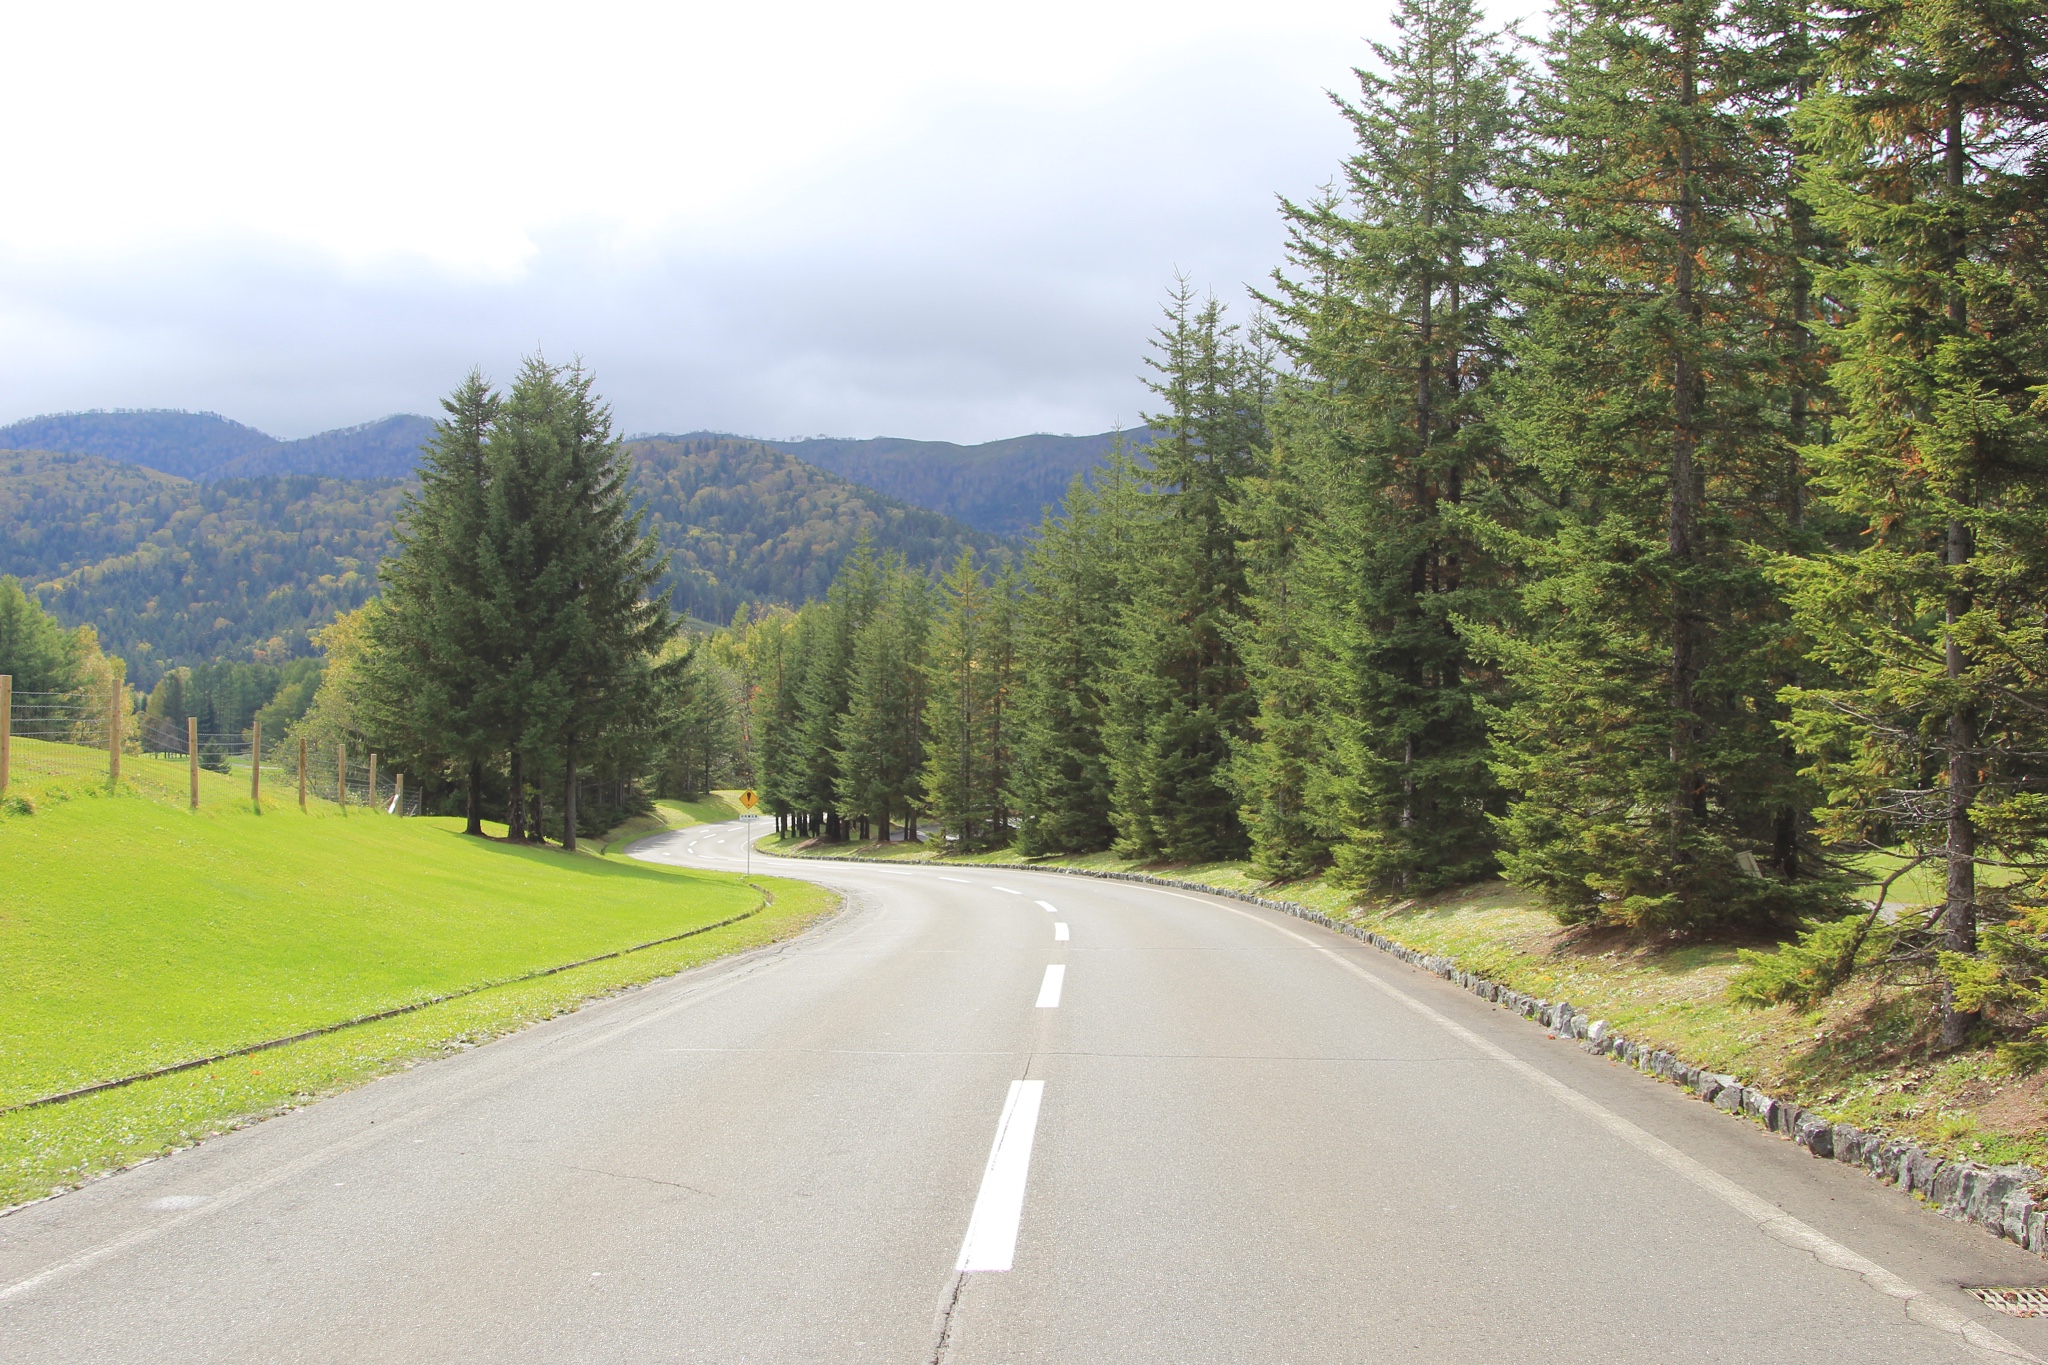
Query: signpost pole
x=748, y=800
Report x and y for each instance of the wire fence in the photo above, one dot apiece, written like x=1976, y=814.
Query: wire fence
x=50, y=737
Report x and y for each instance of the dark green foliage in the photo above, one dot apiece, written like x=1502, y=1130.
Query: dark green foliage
x=745, y=523
x=565, y=569
x=1932, y=167
x=705, y=749
x=1638, y=735
x=880, y=735
x=39, y=654
x=1370, y=743
x=432, y=684
x=1068, y=621
x=171, y=572
x=970, y=678
x=1176, y=694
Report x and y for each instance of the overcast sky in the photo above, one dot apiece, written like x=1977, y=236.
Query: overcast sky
x=952, y=222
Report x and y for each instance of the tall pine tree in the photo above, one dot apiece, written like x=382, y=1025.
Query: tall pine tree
x=1931, y=162
x=1639, y=738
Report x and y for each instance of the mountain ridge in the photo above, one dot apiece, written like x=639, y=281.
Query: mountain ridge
x=171, y=570
x=998, y=487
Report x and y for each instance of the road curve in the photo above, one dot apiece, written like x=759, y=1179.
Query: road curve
x=997, y=1116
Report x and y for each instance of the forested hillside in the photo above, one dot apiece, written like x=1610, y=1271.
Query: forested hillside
x=170, y=571
x=744, y=522
x=1002, y=487
x=175, y=571
x=205, y=445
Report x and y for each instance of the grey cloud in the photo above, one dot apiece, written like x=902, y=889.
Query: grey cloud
x=994, y=269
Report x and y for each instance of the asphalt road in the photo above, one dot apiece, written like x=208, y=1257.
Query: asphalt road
x=1151, y=1126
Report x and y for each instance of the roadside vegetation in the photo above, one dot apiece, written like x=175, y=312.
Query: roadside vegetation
x=135, y=934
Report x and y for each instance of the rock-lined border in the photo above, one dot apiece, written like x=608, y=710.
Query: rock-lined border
x=1999, y=1199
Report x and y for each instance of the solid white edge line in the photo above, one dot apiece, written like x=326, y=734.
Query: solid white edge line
x=1770, y=1220
x=1059, y=932
x=991, y=1242
x=1049, y=989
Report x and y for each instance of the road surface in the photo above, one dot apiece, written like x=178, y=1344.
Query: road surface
x=996, y=1116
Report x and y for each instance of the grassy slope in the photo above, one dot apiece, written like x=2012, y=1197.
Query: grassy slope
x=134, y=934
x=1862, y=1058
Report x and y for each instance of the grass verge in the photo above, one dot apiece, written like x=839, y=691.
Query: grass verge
x=1865, y=1057
x=135, y=935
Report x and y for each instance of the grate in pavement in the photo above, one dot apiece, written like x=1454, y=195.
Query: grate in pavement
x=2028, y=1302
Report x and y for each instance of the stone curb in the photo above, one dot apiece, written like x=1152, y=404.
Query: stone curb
x=1998, y=1199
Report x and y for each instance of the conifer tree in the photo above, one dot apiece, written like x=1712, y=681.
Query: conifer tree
x=881, y=734
x=848, y=607
x=1932, y=164
x=1177, y=696
x=566, y=569
x=968, y=667
x=1639, y=741
x=1367, y=718
x=1067, y=635
x=428, y=677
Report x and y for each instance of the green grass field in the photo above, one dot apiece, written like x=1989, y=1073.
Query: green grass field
x=135, y=934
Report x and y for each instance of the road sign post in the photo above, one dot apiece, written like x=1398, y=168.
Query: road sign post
x=748, y=800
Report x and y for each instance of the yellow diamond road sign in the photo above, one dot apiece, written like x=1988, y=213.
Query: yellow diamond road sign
x=748, y=800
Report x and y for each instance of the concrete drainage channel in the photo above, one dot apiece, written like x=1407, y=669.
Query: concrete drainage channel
x=1999, y=1199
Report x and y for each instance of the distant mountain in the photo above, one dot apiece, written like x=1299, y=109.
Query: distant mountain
x=1001, y=487
x=173, y=571
x=205, y=445
x=745, y=522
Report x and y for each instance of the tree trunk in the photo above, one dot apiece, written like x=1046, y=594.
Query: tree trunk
x=1959, y=912
x=1688, y=797
x=515, y=815
x=474, y=806
x=569, y=798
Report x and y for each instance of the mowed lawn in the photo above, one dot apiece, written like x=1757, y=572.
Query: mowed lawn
x=134, y=934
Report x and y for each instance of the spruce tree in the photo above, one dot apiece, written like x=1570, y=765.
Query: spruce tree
x=567, y=567
x=967, y=669
x=1067, y=635
x=822, y=700
x=1931, y=163
x=1639, y=739
x=427, y=679
x=1177, y=696
x=881, y=733
x=1369, y=733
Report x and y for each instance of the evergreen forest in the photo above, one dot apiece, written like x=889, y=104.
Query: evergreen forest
x=1634, y=484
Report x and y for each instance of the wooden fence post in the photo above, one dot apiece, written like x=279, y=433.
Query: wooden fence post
x=341, y=774
x=114, y=731
x=398, y=797
x=373, y=782
x=302, y=772
x=192, y=755
x=6, y=726
x=256, y=760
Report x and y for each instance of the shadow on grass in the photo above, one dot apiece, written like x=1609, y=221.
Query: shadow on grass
x=553, y=857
